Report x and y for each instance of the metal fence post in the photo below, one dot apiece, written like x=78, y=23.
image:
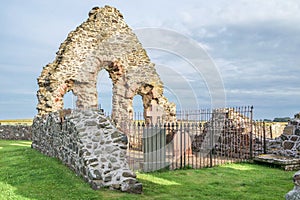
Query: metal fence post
x=264, y=137
x=180, y=146
x=211, y=139
x=251, y=132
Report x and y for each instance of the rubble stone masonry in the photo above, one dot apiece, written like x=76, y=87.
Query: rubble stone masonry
x=88, y=143
x=103, y=42
x=15, y=132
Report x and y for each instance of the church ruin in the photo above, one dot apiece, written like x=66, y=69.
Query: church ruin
x=84, y=139
x=103, y=42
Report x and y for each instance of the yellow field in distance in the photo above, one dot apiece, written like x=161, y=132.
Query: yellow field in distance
x=27, y=122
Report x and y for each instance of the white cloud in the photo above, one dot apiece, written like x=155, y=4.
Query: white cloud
x=254, y=43
x=225, y=12
x=274, y=92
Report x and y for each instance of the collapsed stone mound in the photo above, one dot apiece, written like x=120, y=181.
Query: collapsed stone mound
x=88, y=143
x=224, y=127
x=284, y=150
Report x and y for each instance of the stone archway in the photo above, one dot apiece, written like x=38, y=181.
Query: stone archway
x=104, y=41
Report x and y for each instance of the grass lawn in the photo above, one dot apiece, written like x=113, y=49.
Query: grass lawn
x=27, y=174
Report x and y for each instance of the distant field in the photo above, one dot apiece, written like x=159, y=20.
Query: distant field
x=274, y=123
x=27, y=122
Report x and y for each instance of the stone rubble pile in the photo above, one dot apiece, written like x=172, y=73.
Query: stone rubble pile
x=231, y=131
x=88, y=143
x=288, y=143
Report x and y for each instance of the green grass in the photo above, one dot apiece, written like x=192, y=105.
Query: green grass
x=27, y=174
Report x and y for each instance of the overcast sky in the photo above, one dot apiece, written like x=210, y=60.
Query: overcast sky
x=254, y=44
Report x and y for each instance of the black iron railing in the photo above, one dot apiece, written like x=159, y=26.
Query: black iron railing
x=199, y=138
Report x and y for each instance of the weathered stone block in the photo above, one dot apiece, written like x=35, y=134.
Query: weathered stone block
x=288, y=145
x=130, y=185
x=96, y=139
x=116, y=134
x=129, y=174
x=91, y=123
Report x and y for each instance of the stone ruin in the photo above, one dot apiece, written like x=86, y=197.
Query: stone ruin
x=285, y=149
x=84, y=139
x=226, y=125
x=103, y=42
x=288, y=143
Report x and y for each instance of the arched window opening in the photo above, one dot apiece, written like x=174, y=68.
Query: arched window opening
x=69, y=100
x=104, y=88
x=138, y=108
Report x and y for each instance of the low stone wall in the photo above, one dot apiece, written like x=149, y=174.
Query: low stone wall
x=285, y=145
x=15, y=132
x=288, y=143
x=88, y=143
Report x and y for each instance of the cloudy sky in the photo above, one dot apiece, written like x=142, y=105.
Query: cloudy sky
x=254, y=45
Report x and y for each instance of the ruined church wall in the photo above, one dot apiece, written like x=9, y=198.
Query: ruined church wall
x=88, y=143
x=103, y=42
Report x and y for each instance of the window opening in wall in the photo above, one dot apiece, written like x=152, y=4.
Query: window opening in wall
x=104, y=88
x=69, y=100
x=138, y=108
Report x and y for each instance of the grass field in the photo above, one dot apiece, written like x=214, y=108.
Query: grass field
x=27, y=122
x=27, y=174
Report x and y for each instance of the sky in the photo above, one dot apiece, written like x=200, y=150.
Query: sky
x=254, y=46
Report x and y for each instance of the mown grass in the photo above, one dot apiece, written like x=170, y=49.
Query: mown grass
x=27, y=174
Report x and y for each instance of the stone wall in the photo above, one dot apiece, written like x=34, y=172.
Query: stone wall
x=103, y=42
x=88, y=143
x=288, y=143
x=15, y=132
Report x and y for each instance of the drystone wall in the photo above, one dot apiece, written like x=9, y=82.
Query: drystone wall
x=88, y=143
x=103, y=42
x=288, y=143
x=15, y=132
